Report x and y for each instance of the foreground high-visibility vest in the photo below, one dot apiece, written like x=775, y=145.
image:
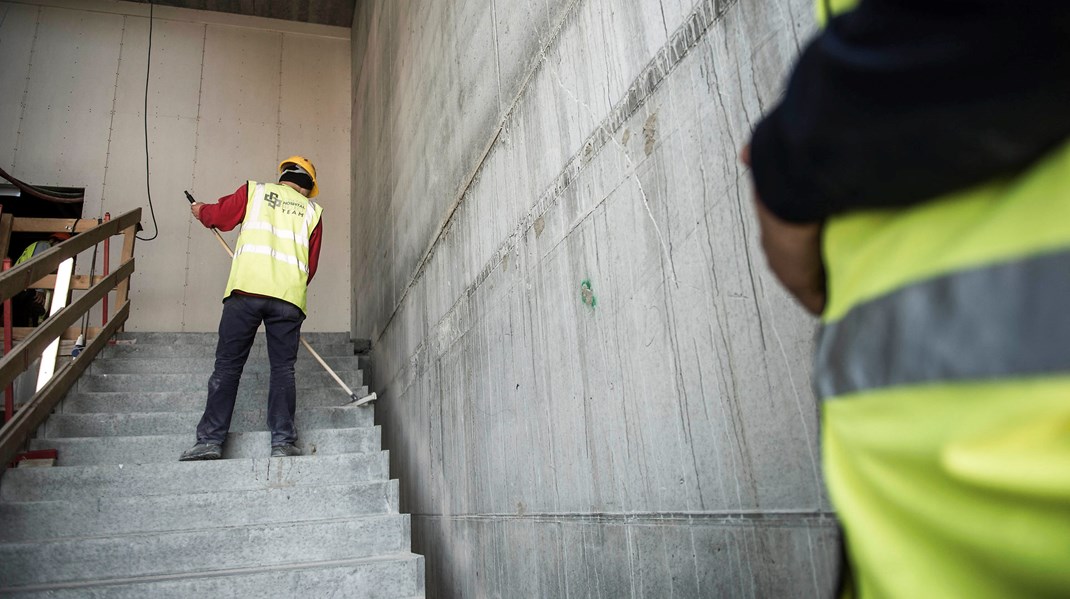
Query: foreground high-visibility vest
x=943, y=364
x=271, y=256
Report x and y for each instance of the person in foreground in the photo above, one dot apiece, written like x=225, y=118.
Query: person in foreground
x=913, y=189
x=275, y=258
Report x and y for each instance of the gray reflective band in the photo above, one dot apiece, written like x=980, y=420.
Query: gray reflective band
x=1000, y=321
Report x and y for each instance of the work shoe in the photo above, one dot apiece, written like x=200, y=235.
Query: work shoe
x=202, y=451
x=285, y=451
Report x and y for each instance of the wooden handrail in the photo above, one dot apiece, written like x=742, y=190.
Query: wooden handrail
x=23, y=276
x=79, y=282
x=16, y=362
x=39, y=269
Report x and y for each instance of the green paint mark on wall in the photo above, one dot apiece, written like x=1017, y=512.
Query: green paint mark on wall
x=586, y=294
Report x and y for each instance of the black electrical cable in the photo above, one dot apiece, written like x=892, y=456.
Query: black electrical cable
x=148, y=188
x=35, y=192
x=59, y=193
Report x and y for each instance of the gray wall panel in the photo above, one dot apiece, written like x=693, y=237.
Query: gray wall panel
x=225, y=104
x=17, y=34
x=69, y=99
x=314, y=113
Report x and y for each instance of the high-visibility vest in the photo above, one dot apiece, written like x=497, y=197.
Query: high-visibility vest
x=970, y=286
x=271, y=256
x=943, y=363
x=35, y=248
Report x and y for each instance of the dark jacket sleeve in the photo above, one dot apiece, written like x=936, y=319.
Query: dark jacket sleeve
x=899, y=101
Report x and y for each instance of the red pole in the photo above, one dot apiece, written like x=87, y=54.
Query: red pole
x=9, y=393
x=107, y=262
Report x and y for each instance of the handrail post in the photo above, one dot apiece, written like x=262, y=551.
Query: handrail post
x=122, y=293
x=9, y=392
x=107, y=263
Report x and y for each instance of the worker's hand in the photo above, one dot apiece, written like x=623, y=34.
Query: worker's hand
x=793, y=252
x=195, y=208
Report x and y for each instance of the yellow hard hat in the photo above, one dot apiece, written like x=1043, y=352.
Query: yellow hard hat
x=303, y=164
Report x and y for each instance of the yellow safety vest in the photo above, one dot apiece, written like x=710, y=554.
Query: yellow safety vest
x=985, y=270
x=32, y=250
x=943, y=363
x=271, y=256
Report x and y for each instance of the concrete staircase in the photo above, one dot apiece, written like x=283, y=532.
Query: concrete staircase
x=120, y=516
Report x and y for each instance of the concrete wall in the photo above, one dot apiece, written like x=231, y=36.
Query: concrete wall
x=228, y=97
x=592, y=386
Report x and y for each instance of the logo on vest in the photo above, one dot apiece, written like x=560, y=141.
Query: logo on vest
x=289, y=207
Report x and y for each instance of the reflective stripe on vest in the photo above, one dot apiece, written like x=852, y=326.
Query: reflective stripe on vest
x=284, y=234
x=999, y=321
x=264, y=250
x=969, y=287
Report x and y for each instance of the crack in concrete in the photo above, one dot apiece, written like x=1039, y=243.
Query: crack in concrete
x=627, y=158
x=685, y=38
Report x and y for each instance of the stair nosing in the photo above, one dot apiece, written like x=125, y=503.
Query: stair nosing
x=148, y=534
x=76, y=584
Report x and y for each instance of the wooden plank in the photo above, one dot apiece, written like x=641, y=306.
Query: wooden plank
x=23, y=275
x=39, y=463
x=24, y=224
x=22, y=356
x=80, y=282
x=5, y=234
x=14, y=434
x=20, y=333
x=129, y=237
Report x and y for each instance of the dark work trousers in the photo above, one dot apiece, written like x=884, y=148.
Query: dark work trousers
x=242, y=315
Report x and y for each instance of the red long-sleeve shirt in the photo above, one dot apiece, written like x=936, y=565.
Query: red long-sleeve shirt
x=229, y=211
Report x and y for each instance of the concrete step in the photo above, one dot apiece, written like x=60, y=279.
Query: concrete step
x=216, y=548
x=90, y=483
x=210, y=339
x=119, y=516
x=190, y=401
x=386, y=577
x=178, y=423
x=95, y=451
x=251, y=382
x=186, y=350
x=36, y=520
x=205, y=363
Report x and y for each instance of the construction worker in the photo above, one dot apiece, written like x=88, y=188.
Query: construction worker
x=913, y=189
x=30, y=307
x=275, y=258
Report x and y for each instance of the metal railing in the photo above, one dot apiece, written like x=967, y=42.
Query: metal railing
x=38, y=272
